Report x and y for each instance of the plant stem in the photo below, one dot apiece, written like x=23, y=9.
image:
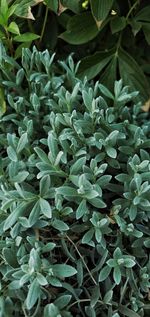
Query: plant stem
x=44, y=25
x=132, y=8
x=79, y=301
x=81, y=257
x=118, y=44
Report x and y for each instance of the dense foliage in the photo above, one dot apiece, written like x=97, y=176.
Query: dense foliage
x=111, y=37
x=75, y=193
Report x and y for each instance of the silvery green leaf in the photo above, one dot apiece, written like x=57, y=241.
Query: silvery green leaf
x=45, y=208
x=22, y=142
x=33, y=294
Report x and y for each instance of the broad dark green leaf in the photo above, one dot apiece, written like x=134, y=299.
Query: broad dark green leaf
x=109, y=75
x=117, y=24
x=132, y=74
x=24, y=10
x=101, y=8
x=52, y=4
x=80, y=29
x=143, y=14
x=73, y=5
x=91, y=66
x=26, y=37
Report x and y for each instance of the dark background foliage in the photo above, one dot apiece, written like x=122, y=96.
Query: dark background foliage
x=111, y=38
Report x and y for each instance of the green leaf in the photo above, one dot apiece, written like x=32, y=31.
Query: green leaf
x=110, y=73
x=132, y=74
x=42, y=155
x=64, y=270
x=13, y=28
x=60, y=225
x=20, y=177
x=44, y=185
x=11, y=10
x=51, y=310
x=117, y=24
x=48, y=247
x=101, y=8
x=4, y=9
x=81, y=29
x=80, y=272
x=129, y=263
x=95, y=296
x=53, y=146
x=111, y=152
x=33, y=294
x=97, y=202
x=22, y=142
x=20, y=77
x=12, y=154
x=146, y=30
x=117, y=275
x=2, y=102
x=55, y=282
x=78, y=165
x=52, y=4
x=13, y=217
x=18, y=51
x=91, y=66
x=45, y=208
x=127, y=312
x=73, y=5
x=10, y=257
x=108, y=297
x=143, y=15
x=26, y=37
x=106, y=92
x=41, y=279
x=88, y=236
x=24, y=10
x=62, y=301
x=104, y=273
x=66, y=191
x=34, y=214
x=82, y=209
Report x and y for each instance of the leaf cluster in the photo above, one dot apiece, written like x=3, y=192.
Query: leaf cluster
x=74, y=193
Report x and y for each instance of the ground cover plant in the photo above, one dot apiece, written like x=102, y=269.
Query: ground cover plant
x=110, y=37
x=74, y=195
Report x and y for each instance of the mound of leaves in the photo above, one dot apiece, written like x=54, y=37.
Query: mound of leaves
x=74, y=195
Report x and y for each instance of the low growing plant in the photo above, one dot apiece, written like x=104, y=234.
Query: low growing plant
x=75, y=193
